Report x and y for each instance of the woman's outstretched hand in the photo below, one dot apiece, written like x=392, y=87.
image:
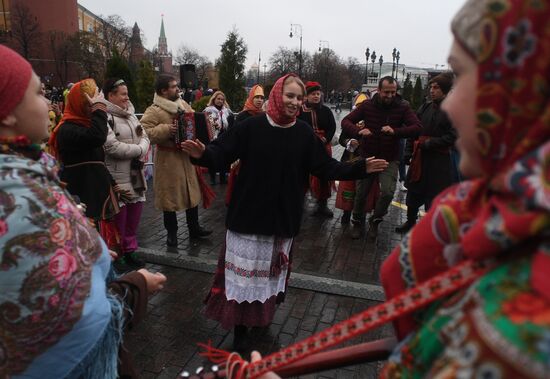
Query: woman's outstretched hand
x=375, y=165
x=194, y=148
x=155, y=281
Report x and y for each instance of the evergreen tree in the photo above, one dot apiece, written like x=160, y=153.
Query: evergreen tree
x=145, y=85
x=407, y=89
x=117, y=67
x=418, y=94
x=231, y=66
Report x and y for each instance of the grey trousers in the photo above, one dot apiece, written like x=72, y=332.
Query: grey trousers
x=387, y=180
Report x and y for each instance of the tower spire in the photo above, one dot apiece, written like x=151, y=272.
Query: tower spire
x=163, y=43
x=162, y=34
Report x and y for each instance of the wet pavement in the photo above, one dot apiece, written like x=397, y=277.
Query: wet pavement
x=333, y=277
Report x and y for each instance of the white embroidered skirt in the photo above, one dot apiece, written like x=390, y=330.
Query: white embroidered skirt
x=255, y=266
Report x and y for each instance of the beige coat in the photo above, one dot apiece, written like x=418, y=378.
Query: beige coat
x=174, y=180
x=124, y=144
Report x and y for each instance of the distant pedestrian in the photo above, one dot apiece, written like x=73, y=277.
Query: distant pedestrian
x=430, y=169
x=221, y=118
x=321, y=120
x=197, y=94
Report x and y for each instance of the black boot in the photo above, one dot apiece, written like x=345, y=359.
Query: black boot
x=171, y=225
x=195, y=230
x=346, y=217
x=322, y=209
x=405, y=227
x=172, y=239
x=239, y=338
x=372, y=234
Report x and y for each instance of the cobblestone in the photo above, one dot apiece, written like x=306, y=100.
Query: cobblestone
x=165, y=342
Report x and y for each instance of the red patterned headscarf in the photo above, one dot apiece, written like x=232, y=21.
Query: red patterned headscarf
x=249, y=106
x=75, y=110
x=508, y=208
x=275, y=106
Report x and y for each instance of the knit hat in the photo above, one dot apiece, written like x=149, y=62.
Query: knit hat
x=444, y=81
x=312, y=86
x=15, y=75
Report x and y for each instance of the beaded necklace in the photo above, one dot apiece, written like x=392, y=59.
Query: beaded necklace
x=20, y=145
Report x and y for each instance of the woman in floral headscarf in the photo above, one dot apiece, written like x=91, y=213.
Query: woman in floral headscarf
x=60, y=316
x=277, y=154
x=499, y=327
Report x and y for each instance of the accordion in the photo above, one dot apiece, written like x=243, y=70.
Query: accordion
x=192, y=126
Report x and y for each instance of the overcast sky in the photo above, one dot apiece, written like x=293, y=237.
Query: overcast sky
x=419, y=29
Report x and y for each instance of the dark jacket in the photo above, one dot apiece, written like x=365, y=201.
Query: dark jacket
x=436, y=159
x=276, y=163
x=83, y=162
x=323, y=119
x=243, y=115
x=398, y=115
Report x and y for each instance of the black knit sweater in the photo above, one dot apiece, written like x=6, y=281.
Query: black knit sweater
x=275, y=166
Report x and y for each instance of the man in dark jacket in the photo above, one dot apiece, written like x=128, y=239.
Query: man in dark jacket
x=430, y=169
x=387, y=118
x=321, y=119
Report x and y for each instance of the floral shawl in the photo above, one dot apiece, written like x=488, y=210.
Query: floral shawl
x=49, y=250
x=507, y=210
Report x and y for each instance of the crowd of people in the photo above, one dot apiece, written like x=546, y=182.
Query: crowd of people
x=73, y=189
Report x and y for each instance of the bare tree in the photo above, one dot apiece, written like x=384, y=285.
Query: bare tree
x=88, y=52
x=286, y=60
x=25, y=30
x=356, y=72
x=282, y=61
x=116, y=36
x=188, y=55
x=60, y=46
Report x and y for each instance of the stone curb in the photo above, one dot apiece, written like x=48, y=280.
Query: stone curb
x=297, y=280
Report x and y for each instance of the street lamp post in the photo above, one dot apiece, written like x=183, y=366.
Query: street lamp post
x=297, y=27
x=397, y=65
x=325, y=47
x=373, y=59
x=367, y=56
x=380, y=61
x=393, y=54
x=259, y=67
